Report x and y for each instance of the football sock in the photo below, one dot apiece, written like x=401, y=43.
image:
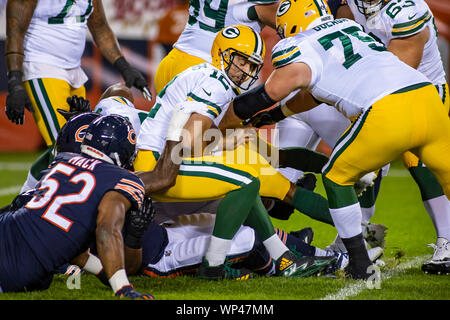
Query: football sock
x=259, y=220
x=275, y=247
x=231, y=213
x=34, y=175
x=234, y=209
x=312, y=204
x=439, y=211
x=217, y=251
x=344, y=208
x=434, y=200
x=429, y=186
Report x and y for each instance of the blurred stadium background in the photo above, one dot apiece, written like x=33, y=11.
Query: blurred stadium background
x=146, y=29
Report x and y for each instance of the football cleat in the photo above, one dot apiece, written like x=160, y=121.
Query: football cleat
x=306, y=235
x=342, y=258
x=223, y=271
x=289, y=266
x=440, y=261
x=374, y=234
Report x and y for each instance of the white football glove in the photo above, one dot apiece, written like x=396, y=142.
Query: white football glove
x=365, y=182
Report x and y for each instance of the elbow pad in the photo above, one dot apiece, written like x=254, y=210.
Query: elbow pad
x=251, y=102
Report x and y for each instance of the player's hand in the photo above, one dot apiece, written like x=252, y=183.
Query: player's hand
x=77, y=105
x=136, y=223
x=365, y=182
x=132, y=77
x=17, y=99
x=130, y=293
x=266, y=118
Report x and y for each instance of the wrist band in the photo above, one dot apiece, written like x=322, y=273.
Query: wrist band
x=14, y=52
x=93, y=265
x=286, y=111
x=119, y=280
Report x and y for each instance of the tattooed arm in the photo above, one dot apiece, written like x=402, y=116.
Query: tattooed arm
x=103, y=34
x=18, y=17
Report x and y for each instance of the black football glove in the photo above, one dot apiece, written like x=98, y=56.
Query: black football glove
x=266, y=118
x=130, y=293
x=132, y=77
x=17, y=99
x=77, y=105
x=136, y=222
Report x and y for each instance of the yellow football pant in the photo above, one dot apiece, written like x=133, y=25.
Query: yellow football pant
x=47, y=95
x=196, y=184
x=409, y=159
x=411, y=119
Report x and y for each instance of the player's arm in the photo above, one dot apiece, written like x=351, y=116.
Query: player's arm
x=18, y=17
x=110, y=245
x=278, y=86
x=102, y=33
x=266, y=13
x=164, y=175
x=410, y=49
x=109, y=47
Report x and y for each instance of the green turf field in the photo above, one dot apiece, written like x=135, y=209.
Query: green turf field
x=399, y=208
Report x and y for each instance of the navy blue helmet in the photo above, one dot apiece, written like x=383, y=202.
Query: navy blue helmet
x=112, y=139
x=72, y=133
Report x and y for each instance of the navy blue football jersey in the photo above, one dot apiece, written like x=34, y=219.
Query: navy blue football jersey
x=59, y=221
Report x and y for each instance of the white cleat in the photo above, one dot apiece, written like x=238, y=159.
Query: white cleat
x=440, y=261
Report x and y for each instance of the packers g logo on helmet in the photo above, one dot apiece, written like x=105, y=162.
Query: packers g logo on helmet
x=294, y=16
x=238, y=40
x=283, y=8
x=231, y=32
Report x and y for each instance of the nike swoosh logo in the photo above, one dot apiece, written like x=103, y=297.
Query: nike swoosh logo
x=208, y=93
x=411, y=17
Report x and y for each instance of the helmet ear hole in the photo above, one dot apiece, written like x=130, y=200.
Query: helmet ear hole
x=294, y=29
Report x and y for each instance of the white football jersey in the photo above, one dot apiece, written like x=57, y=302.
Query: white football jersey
x=203, y=84
x=404, y=18
x=350, y=70
x=57, y=33
x=123, y=107
x=208, y=17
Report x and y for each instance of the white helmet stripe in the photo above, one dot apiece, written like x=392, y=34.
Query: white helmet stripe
x=258, y=44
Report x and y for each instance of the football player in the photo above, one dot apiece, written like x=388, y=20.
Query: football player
x=407, y=30
x=326, y=57
x=192, y=102
x=81, y=197
x=44, y=45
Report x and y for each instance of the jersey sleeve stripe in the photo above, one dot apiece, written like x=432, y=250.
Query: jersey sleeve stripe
x=285, y=59
x=137, y=185
x=212, y=111
x=411, y=27
x=209, y=103
x=132, y=192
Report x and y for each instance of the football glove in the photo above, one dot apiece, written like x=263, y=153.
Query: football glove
x=77, y=105
x=132, y=77
x=136, y=222
x=17, y=99
x=365, y=182
x=130, y=293
x=266, y=118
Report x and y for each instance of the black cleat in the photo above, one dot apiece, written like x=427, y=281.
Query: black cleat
x=289, y=266
x=306, y=235
x=223, y=271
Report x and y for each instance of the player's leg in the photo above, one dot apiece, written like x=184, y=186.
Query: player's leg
x=46, y=96
x=355, y=154
x=174, y=62
x=435, y=154
x=275, y=185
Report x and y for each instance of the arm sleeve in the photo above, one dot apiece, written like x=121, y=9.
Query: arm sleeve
x=410, y=20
